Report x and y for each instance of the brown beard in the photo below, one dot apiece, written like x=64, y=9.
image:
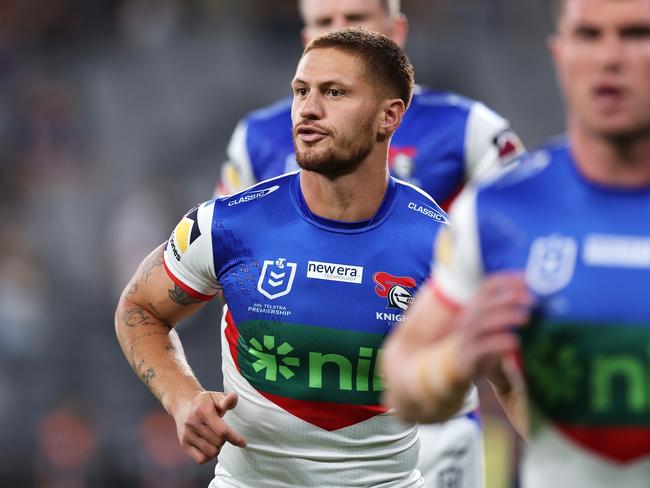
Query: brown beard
x=340, y=160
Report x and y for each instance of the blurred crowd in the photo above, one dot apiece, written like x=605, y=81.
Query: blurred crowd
x=114, y=118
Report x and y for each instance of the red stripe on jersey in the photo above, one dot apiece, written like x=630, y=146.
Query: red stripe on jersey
x=326, y=415
x=444, y=298
x=191, y=292
x=620, y=444
x=232, y=336
x=450, y=199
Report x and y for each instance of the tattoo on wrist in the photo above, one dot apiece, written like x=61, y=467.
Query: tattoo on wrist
x=181, y=297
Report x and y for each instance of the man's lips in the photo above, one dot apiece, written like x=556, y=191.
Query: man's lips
x=310, y=133
x=609, y=94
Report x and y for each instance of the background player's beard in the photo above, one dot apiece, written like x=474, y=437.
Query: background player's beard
x=342, y=159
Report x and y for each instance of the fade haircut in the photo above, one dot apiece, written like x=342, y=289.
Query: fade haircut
x=387, y=66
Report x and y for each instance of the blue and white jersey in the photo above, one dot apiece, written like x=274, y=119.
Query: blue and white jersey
x=443, y=141
x=309, y=302
x=585, y=251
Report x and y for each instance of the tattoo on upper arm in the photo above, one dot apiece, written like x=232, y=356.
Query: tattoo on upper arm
x=149, y=265
x=132, y=289
x=180, y=296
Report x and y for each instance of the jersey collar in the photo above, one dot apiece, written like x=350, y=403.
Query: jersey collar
x=337, y=225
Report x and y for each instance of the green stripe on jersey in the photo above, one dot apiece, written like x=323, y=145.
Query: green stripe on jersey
x=589, y=374
x=304, y=362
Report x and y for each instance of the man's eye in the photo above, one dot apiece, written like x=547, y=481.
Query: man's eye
x=300, y=91
x=334, y=92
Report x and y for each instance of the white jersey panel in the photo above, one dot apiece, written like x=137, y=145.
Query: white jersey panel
x=554, y=461
x=284, y=451
x=188, y=254
x=457, y=266
x=490, y=144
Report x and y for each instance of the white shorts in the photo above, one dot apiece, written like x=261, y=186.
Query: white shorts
x=451, y=454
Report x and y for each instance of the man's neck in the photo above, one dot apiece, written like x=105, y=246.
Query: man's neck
x=349, y=198
x=610, y=162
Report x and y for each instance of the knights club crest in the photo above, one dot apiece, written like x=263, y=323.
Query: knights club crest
x=551, y=263
x=276, y=278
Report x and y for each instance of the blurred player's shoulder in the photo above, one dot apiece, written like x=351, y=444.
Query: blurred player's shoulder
x=529, y=168
x=428, y=97
x=271, y=113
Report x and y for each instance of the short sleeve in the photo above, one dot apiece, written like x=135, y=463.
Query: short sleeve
x=457, y=266
x=188, y=255
x=490, y=144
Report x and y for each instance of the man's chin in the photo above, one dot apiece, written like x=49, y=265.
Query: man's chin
x=623, y=132
x=329, y=168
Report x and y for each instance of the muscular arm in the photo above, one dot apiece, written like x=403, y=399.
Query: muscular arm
x=149, y=309
x=431, y=359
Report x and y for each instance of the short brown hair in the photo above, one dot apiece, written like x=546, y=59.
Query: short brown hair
x=387, y=65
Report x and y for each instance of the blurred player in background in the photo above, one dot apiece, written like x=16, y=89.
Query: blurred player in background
x=443, y=141
x=559, y=249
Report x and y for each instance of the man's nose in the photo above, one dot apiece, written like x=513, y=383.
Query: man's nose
x=311, y=106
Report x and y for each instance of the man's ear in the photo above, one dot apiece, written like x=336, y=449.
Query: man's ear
x=391, y=116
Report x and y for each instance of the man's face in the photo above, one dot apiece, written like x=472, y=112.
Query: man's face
x=335, y=112
x=324, y=16
x=602, y=55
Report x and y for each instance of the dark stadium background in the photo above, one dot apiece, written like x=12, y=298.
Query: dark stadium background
x=114, y=118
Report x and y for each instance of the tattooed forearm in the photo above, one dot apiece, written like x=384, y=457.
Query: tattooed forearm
x=181, y=297
x=148, y=375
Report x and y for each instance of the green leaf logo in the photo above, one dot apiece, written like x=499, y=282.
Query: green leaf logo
x=268, y=361
x=556, y=369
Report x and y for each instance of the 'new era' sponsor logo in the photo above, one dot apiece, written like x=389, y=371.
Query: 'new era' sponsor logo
x=334, y=272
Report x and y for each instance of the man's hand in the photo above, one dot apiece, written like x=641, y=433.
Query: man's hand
x=485, y=328
x=201, y=429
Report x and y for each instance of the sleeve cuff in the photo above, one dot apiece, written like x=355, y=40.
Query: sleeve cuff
x=444, y=298
x=190, y=291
